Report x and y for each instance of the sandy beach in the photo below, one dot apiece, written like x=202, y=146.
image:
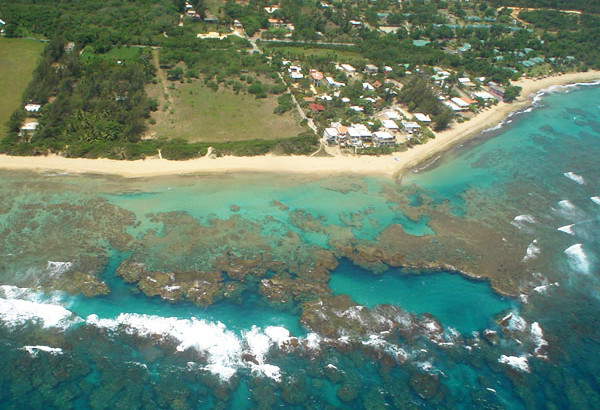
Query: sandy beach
x=389, y=166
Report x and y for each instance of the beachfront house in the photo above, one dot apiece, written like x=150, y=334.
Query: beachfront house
x=354, y=137
x=383, y=139
x=411, y=127
x=390, y=126
x=364, y=133
x=496, y=90
x=330, y=135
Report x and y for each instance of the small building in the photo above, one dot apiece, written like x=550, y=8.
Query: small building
x=211, y=19
x=316, y=107
x=460, y=103
x=330, y=135
x=383, y=139
x=370, y=69
x=466, y=82
x=496, y=90
x=390, y=125
x=411, y=127
x=317, y=77
x=295, y=76
x=422, y=117
x=33, y=108
x=364, y=133
x=345, y=100
x=237, y=24
x=357, y=108
x=69, y=47
x=29, y=126
x=369, y=87
x=355, y=23
x=271, y=9
x=309, y=99
x=392, y=115
x=484, y=95
x=276, y=23
x=348, y=68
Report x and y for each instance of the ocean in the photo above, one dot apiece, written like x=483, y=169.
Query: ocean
x=471, y=283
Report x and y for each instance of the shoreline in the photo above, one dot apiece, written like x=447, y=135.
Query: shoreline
x=391, y=166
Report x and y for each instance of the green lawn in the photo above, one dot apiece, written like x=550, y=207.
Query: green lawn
x=18, y=59
x=196, y=113
x=117, y=53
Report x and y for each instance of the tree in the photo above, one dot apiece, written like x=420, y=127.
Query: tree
x=511, y=93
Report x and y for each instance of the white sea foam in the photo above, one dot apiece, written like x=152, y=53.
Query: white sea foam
x=538, y=337
x=575, y=177
x=313, y=341
x=577, y=258
x=566, y=206
x=533, y=250
x=567, y=229
x=278, y=334
x=34, y=350
x=520, y=220
x=595, y=199
x=515, y=322
x=519, y=363
x=58, y=268
x=222, y=347
x=21, y=305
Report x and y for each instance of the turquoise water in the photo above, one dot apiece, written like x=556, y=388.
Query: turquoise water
x=457, y=302
x=254, y=291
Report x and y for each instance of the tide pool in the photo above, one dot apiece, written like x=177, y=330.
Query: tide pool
x=463, y=304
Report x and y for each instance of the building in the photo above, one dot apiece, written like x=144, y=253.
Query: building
x=32, y=108
x=317, y=77
x=69, y=47
x=484, y=95
x=411, y=127
x=332, y=83
x=316, y=107
x=271, y=9
x=348, y=68
x=276, y=23
x=369, y=87
x=370, y=69
x=330, y=135
x=392, y=115
x=496, y=90
x=390, y=125
x=422, y=117
x=460, y=103
x=364, y=133
x=383, y=139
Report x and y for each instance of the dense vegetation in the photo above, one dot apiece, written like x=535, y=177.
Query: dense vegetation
x=95, y=100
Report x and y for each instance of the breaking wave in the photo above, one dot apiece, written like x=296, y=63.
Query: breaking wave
x=577, y=258
x=574, y=177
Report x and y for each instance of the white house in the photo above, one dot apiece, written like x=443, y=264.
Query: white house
x=383, y=139
x=348, y=68
x=367, y=86
x=460, y=102
x=484, y=95
x=370, y=69
x=33, y=107
x=29, y=126
x=330, y=135
x=422, y=117
x=392, y=115
x=411, y=127
x=390, y=125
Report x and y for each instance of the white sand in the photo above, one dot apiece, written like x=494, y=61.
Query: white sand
x=389, y=166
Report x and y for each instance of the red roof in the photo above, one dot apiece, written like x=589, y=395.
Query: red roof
x=316, y=107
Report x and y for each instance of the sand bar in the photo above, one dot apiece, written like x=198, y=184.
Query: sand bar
x=388, y=166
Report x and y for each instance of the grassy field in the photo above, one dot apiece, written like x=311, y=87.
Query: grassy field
x=18, y=59
x=194, y=112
